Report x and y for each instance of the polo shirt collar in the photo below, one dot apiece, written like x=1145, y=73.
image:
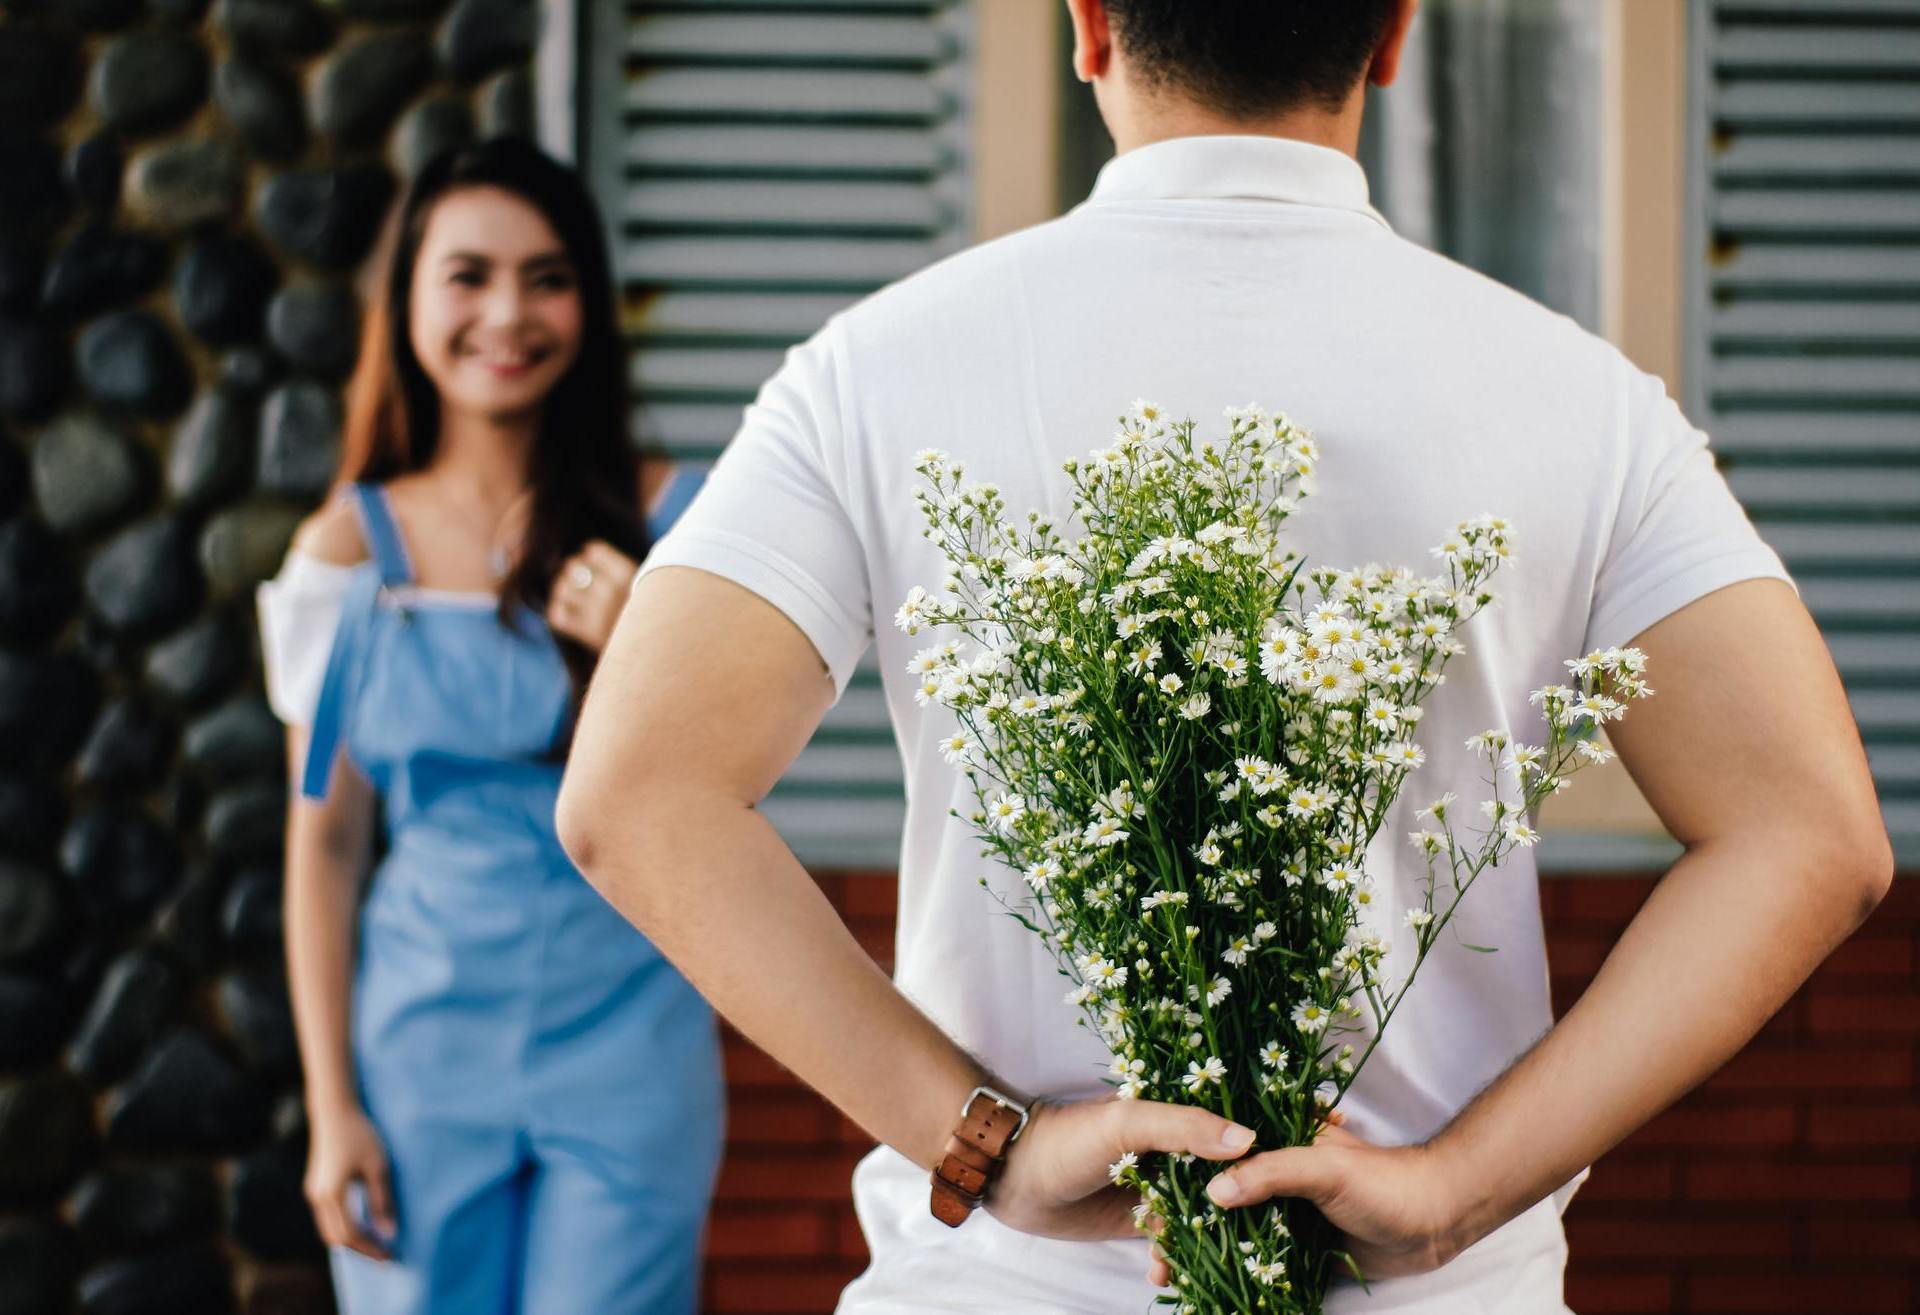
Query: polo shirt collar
x=1237, y=168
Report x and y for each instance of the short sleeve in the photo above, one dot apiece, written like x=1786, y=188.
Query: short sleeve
x=773, y=516
x=299, y=613
x=1679, y=534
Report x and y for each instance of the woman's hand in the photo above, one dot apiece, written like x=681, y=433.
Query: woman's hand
x=589, y=592
x=343, y=1149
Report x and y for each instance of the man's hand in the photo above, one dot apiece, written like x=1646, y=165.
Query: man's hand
x=1056, y=1181
x=1394, y=1203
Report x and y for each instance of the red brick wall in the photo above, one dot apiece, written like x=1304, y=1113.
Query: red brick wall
x=1785, y=1185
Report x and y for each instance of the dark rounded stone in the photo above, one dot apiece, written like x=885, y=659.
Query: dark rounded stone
x=33, y=914
x=253, y=1004
x=178, y=11
x=128, y=360
x=39, y=75
x=263, y=103
x=181, y=804
x=483, y=35
x=33, y=813
x=33, y=1019
x=14, y=480
x=187, y=1096
x=147, y=579
x=148, y=80
x=135, y=1001
x=244, y=545
x=201, y=662
x=101, y=15
x=134, y=1207
x=506, y=105
x=248, y=370
x=35, y=197
x=241, y=740
x=100, y=269
x=21, y=271
x=363, y=87
x=290, y=1118
x=46, y=1136
x=316, y=327
x=386, y=11
x=94, y=170
x=46, y=706
x=87, y=474
x=327, y=216
x=179, y=184
x=38, y=1260
x=211, y=459
x=33, y=369
x=122, y=859
x=161, y=1283
x=37, y=587
x=299, y=439
x=290, y=27
x=267, y=1208
x=244, y=824
x=430, y=129
x=251, y=915
x=189, y=925
x=221, y=289
x=129, y=747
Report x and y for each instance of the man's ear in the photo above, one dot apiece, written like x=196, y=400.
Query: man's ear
x=1092, y=39
x=1393, y=40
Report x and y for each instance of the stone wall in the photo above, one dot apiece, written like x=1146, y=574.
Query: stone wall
x=186, y=189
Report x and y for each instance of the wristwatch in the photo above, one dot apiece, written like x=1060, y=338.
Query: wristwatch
x=990, y=1121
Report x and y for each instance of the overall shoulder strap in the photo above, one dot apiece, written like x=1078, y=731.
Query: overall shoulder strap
x=383, y=534
x=330, y=715
x=674, y=499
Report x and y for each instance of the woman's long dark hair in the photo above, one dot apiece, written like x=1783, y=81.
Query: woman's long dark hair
x=583, y=471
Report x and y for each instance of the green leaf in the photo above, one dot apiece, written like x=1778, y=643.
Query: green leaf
x=1346, y=1258
x=1482, y=949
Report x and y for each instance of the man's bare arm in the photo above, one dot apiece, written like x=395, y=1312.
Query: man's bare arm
x=1748, y=752
x=703, y=697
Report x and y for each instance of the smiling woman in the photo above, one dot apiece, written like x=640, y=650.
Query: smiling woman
x=514, y=1099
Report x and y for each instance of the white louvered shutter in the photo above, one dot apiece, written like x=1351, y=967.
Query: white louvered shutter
x=1804, y=327
x=763, y=164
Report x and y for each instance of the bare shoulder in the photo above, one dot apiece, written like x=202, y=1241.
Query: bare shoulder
x=332, y=534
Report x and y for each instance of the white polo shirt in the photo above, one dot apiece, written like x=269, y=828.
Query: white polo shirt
x=1202, y=273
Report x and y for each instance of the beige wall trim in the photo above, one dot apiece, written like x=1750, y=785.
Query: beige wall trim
x=1643, y=160
x=1017, y=59
x=1644, y=129
x=555, y=77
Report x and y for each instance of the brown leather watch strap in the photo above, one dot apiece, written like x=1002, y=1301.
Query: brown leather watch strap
x=973, y=1155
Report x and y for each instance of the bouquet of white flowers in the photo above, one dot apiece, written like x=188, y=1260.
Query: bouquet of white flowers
x=1184, y=740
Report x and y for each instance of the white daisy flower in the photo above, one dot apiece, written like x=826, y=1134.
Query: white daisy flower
x=1310, y=1017
x=1202, y=1075
x=1006, y=811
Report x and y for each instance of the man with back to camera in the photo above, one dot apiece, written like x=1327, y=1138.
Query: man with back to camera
x=1227, y=252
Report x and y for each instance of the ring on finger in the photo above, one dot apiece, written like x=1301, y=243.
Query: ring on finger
x=581, y=576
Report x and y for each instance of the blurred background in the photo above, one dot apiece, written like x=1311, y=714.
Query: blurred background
x=1727, y=189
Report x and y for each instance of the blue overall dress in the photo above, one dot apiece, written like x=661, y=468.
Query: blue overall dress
x=547, y=1086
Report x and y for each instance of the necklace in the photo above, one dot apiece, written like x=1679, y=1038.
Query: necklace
x=499, y=556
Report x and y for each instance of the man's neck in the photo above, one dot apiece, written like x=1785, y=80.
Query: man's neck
x=1166, y=118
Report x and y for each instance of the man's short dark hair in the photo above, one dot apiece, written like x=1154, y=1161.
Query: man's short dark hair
x=1248, y=58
